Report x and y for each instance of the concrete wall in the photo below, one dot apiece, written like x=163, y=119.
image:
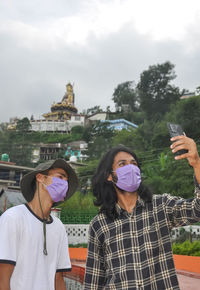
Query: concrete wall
x=77, y=234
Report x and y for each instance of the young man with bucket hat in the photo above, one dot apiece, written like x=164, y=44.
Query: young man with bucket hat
x=33, y=244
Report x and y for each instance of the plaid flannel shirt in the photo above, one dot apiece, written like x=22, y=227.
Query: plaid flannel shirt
x=134, y=251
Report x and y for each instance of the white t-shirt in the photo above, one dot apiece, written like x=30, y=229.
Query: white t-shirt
x=21, y=244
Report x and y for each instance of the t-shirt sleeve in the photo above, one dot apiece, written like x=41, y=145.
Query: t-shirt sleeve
x=63, y=263
x=8, y=238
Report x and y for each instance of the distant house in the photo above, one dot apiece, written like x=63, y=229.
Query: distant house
x=57, y=150
x=10, y=176
x=100, y=116
x=120, y=124
x=187, y=95
x=50, y=151
x=76, y=120
x=76, y=151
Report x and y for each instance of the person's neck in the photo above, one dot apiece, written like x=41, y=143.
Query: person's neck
x=127, y=200
x=35, y=206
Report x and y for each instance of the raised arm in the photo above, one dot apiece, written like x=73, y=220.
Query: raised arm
x=184, y=142
x=185, y=211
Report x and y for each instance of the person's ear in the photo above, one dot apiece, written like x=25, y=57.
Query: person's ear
x=39, y=177
x=109, y=178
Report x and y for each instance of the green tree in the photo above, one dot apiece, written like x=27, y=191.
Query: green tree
x=77, y=130
x=143, y=136
x=155, y=91
x=166, y=175
x=186, y=113
x=125, y=94
x=85, y=174
x=87, y=133
x=23, y=125
x=101, y=140
x=125, y=137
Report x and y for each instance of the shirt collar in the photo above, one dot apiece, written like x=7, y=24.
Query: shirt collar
x=140, y=202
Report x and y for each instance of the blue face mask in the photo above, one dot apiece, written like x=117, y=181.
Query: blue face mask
x=128, y=177
x=58, y=189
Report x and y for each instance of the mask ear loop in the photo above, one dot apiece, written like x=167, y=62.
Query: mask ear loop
x=114, y=177
x=44, y=227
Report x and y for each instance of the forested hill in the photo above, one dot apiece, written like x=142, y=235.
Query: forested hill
x=151, y=103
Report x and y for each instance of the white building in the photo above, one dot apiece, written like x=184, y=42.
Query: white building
x=49, y=126
x=58, y=126
x=194, y=230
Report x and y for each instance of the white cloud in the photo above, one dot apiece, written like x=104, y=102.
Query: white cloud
x=167, y=19
x=96, y=44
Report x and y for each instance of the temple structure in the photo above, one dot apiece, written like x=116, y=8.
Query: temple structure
x=63, y=110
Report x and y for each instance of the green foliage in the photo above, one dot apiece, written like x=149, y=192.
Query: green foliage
x=23, y=125
x=97, y=145
x=85, y=173
x=166, y=175
x=79, y=202
x=160, y=138
x=86, y=136
x=143, y=137
x=19, y=144
x=77, y=130
x=83, y=245
x=154, y=102
x=187, y=248
x=125, y=94
x=155, y=91
x=125, y=137
x=79, y=209
x=186, y=113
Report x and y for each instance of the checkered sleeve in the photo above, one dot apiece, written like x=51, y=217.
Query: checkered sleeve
x=95, y=271
x=181, y=211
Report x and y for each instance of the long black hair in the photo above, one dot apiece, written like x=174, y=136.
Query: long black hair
x=104, y=191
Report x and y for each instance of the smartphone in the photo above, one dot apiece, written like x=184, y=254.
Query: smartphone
x=176, y=130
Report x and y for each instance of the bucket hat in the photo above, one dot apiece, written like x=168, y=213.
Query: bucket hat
x=28, y=179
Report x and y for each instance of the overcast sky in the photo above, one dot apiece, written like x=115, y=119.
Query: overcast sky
x=95, y=45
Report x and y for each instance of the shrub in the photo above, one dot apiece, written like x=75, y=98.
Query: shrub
x=187, y=248
x=83, y=245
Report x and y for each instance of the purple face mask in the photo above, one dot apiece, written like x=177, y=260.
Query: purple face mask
x=58, y=189
x=129, y=177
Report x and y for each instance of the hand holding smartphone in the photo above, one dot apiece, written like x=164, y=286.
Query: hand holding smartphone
x=176, y=130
